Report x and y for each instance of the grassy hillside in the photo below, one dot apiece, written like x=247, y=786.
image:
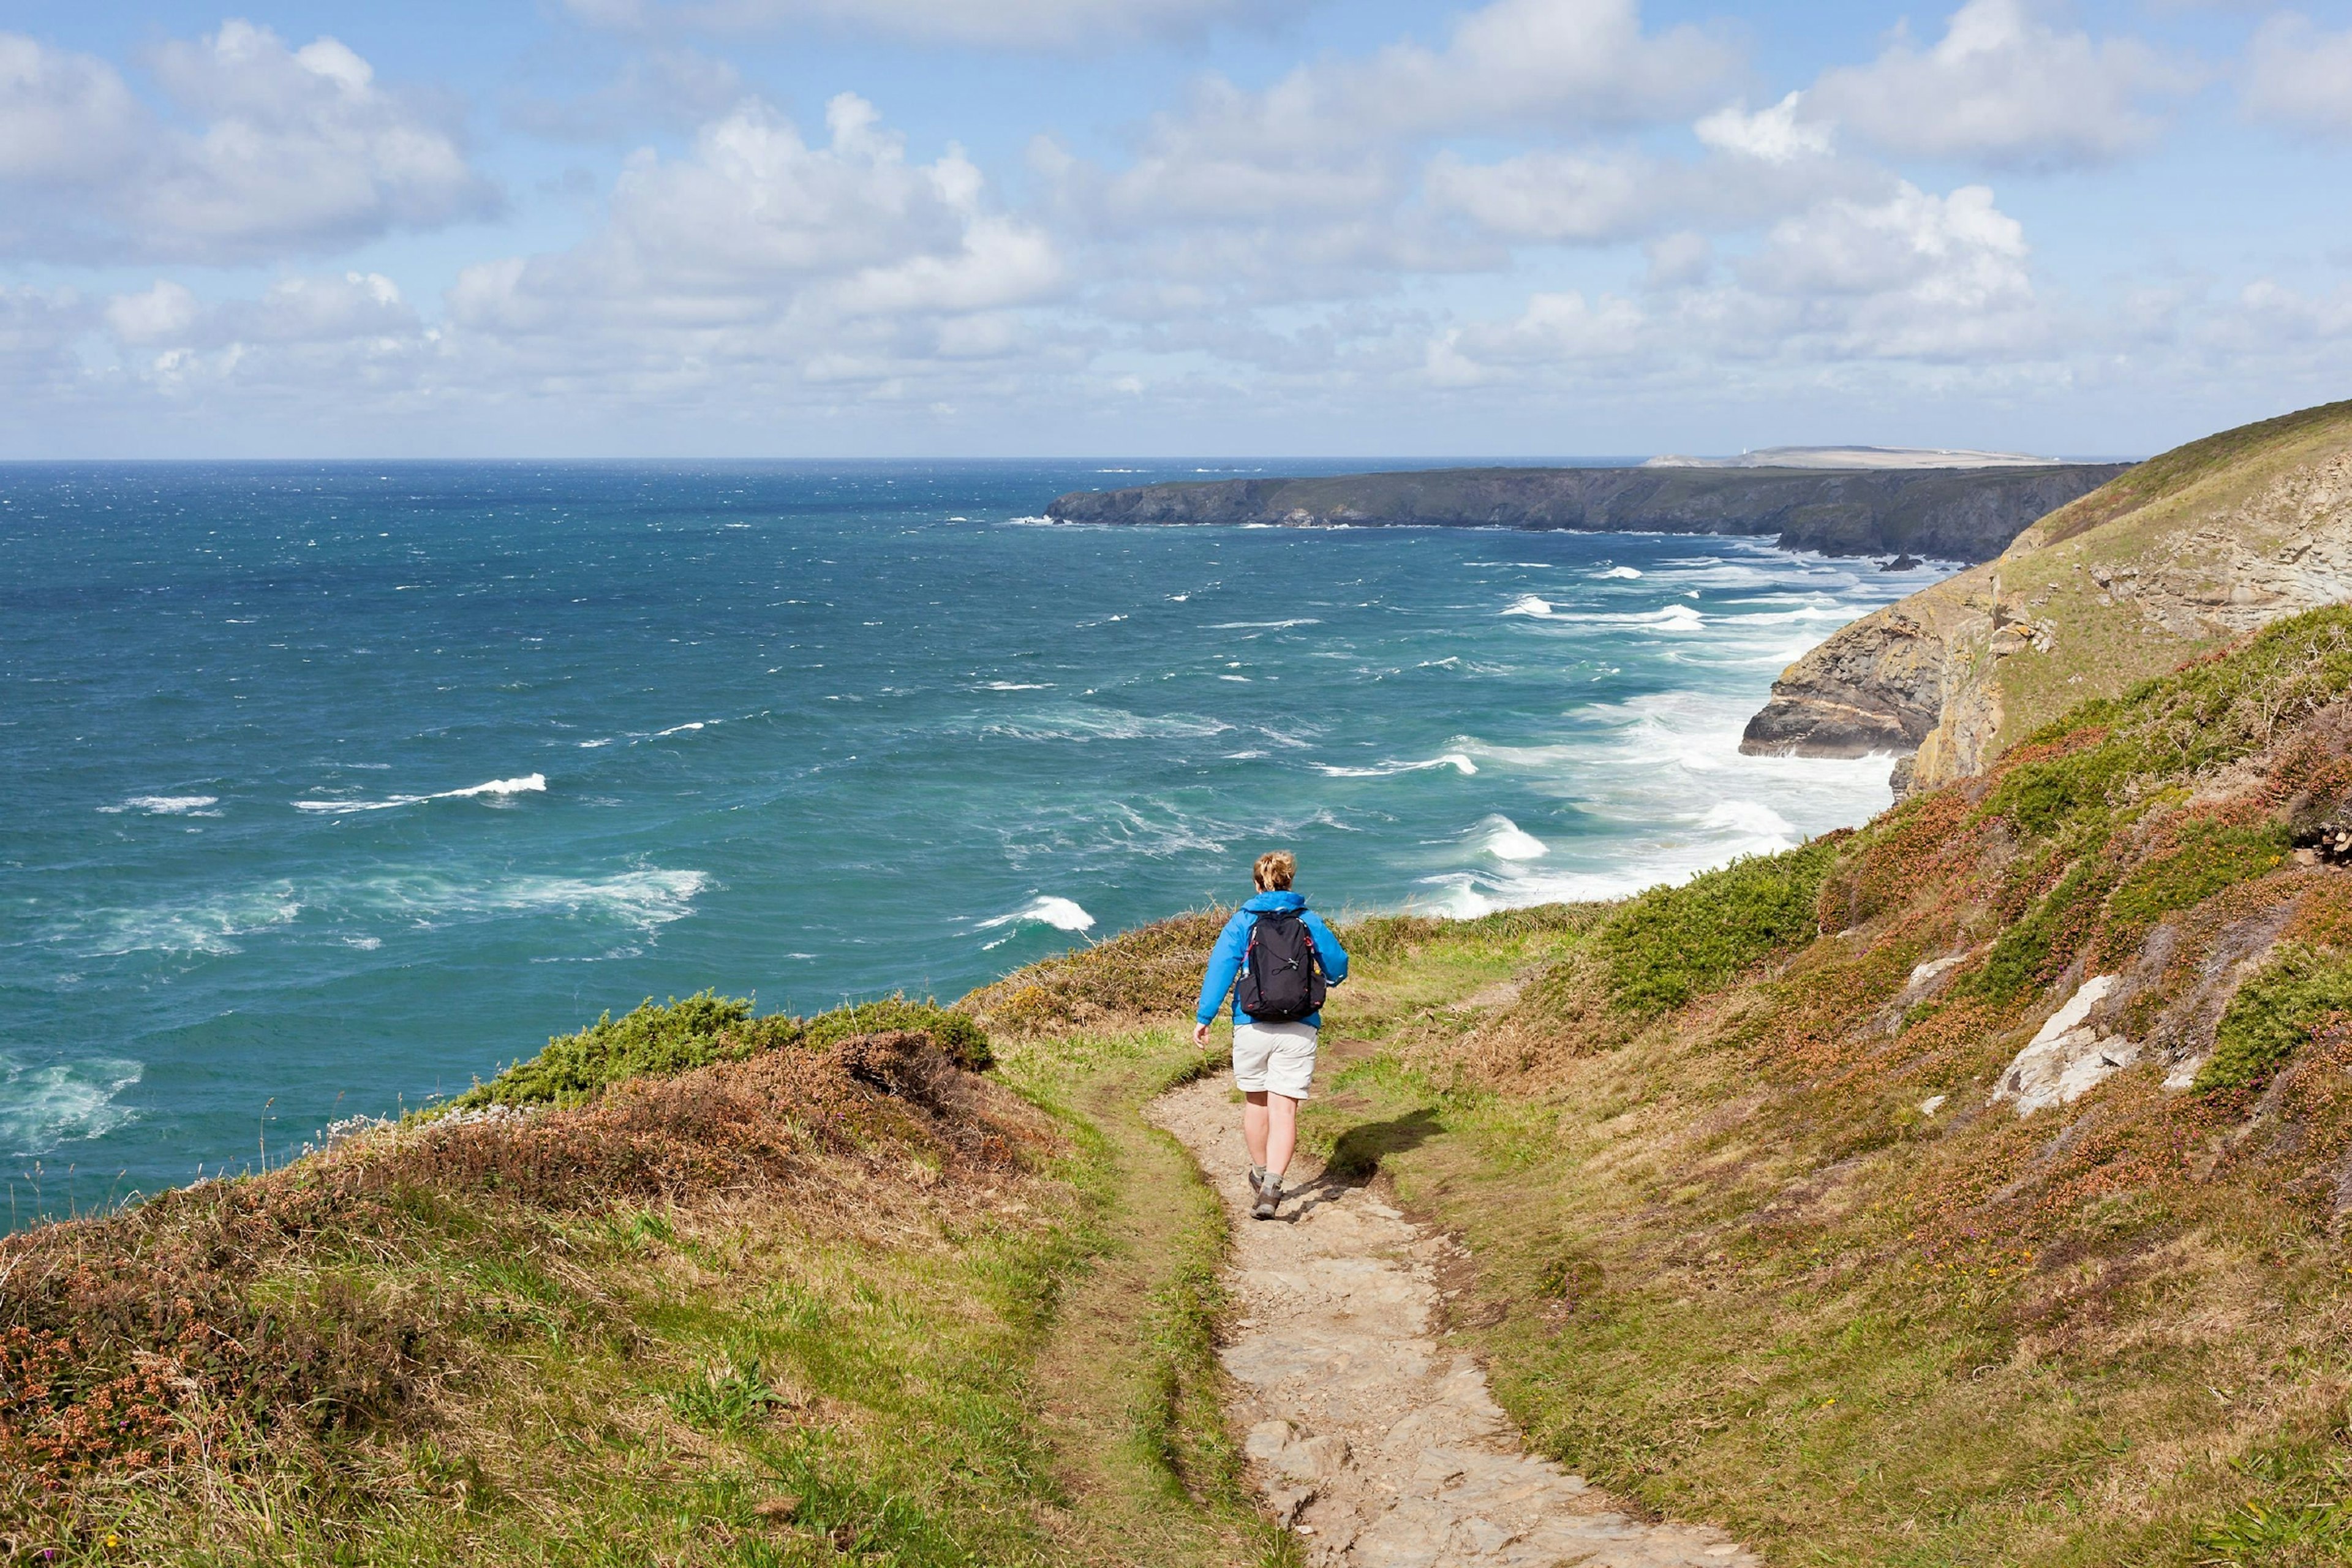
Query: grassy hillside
x=690, y=1288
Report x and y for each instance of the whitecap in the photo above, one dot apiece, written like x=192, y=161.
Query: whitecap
x=1016, y=686
x=528, y=783
x=1507, y=840
x=683, y=729
x=1062, y=914
x=1528, y=605
x=1454, y=760
x=1626, y=573
x=1261, y=626
x=45, y=1104
x=167, y=806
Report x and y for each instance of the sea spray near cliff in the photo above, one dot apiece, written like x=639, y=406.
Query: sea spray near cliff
x=332, y=786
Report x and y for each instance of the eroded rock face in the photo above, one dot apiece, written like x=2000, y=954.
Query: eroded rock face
x=1876, y=687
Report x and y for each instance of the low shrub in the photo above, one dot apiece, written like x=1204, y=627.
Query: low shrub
x=677, y=1036
x=1671, y=943
x=2273, y=1014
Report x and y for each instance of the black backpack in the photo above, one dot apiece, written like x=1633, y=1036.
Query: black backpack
x=1282, y=980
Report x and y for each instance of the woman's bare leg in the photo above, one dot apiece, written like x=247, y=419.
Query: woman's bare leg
x=1280, y=1136
x=1253, y=1126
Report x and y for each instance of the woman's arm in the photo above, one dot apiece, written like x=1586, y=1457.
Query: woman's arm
x=1328, y=950
x=1224, y=967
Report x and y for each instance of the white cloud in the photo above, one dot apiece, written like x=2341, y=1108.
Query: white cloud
x=63, y=116
x=164, y=313
x=37, y=368
x=759, y=254
x=1557, y=331
x=2299, y=75
x=2006, y=87
x=298, y=150
x=1009, y=24
x=1915, y=276
x=1560, y=195
x=1773, y=135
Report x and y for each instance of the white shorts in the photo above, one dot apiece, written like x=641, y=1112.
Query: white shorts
x=1274, y=1058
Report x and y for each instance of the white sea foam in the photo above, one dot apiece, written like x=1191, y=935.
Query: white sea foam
x=1627, y=573
x=211, y=924
x=684, y=729
x=1505, y=840
x=1016, y=686
x=167, y=806
x=1261, y=626
x=528, y=783
x=45, y=1104
x=1454, y=760
x=1076, y=722
x=592, y=745
x=1062, y=914
x=1528, y=605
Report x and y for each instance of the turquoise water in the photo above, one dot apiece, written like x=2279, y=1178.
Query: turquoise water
x=332, y=786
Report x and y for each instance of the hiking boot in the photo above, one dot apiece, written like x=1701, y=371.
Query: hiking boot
x=1269, y=1197
x=1257, y=1179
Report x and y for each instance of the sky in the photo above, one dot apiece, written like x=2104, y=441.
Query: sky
x=951, y=228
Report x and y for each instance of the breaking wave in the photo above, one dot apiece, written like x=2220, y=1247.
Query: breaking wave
x=530, y=784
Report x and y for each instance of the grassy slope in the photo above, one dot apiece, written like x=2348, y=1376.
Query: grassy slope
x=2103, y=648
x=876, y=1335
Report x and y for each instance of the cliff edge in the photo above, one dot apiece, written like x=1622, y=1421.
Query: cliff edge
x=2165, y=561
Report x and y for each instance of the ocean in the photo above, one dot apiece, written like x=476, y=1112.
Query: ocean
x=332, y=787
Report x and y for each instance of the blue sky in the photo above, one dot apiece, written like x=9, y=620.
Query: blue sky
x=917, y=227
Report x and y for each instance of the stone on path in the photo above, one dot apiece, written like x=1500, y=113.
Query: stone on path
x=1379, y=1445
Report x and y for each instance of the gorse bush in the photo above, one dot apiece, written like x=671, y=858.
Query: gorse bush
x=1672, y=943
x=676, y=1036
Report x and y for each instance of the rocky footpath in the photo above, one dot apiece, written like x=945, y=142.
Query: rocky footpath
x=1954, y=514
x=1377, y=1443
x=2177, y=557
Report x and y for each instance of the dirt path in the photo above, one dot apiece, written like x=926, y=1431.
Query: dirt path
x=1381, y=1447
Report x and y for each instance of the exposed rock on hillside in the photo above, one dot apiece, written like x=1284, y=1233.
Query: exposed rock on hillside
x=1956, y=515
x=2170, y=558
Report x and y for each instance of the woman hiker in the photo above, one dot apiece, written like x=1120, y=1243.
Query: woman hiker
x=1277, y=958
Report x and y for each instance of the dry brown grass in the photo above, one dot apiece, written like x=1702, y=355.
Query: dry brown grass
x=145, y=1340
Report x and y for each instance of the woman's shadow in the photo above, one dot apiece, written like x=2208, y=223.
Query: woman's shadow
x=1356, y=1156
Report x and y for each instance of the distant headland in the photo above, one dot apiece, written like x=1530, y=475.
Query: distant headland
x=1880, y=501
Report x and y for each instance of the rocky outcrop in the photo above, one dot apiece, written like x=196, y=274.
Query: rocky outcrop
x=1951, y=514
x=2181, y=554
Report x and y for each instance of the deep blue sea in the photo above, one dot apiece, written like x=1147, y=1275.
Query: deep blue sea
x=331, y=786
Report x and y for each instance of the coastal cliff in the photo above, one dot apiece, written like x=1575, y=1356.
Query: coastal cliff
x=2165, y=562
x=1954, y=514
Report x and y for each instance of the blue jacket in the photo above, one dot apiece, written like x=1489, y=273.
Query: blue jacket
x=1232, y=946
